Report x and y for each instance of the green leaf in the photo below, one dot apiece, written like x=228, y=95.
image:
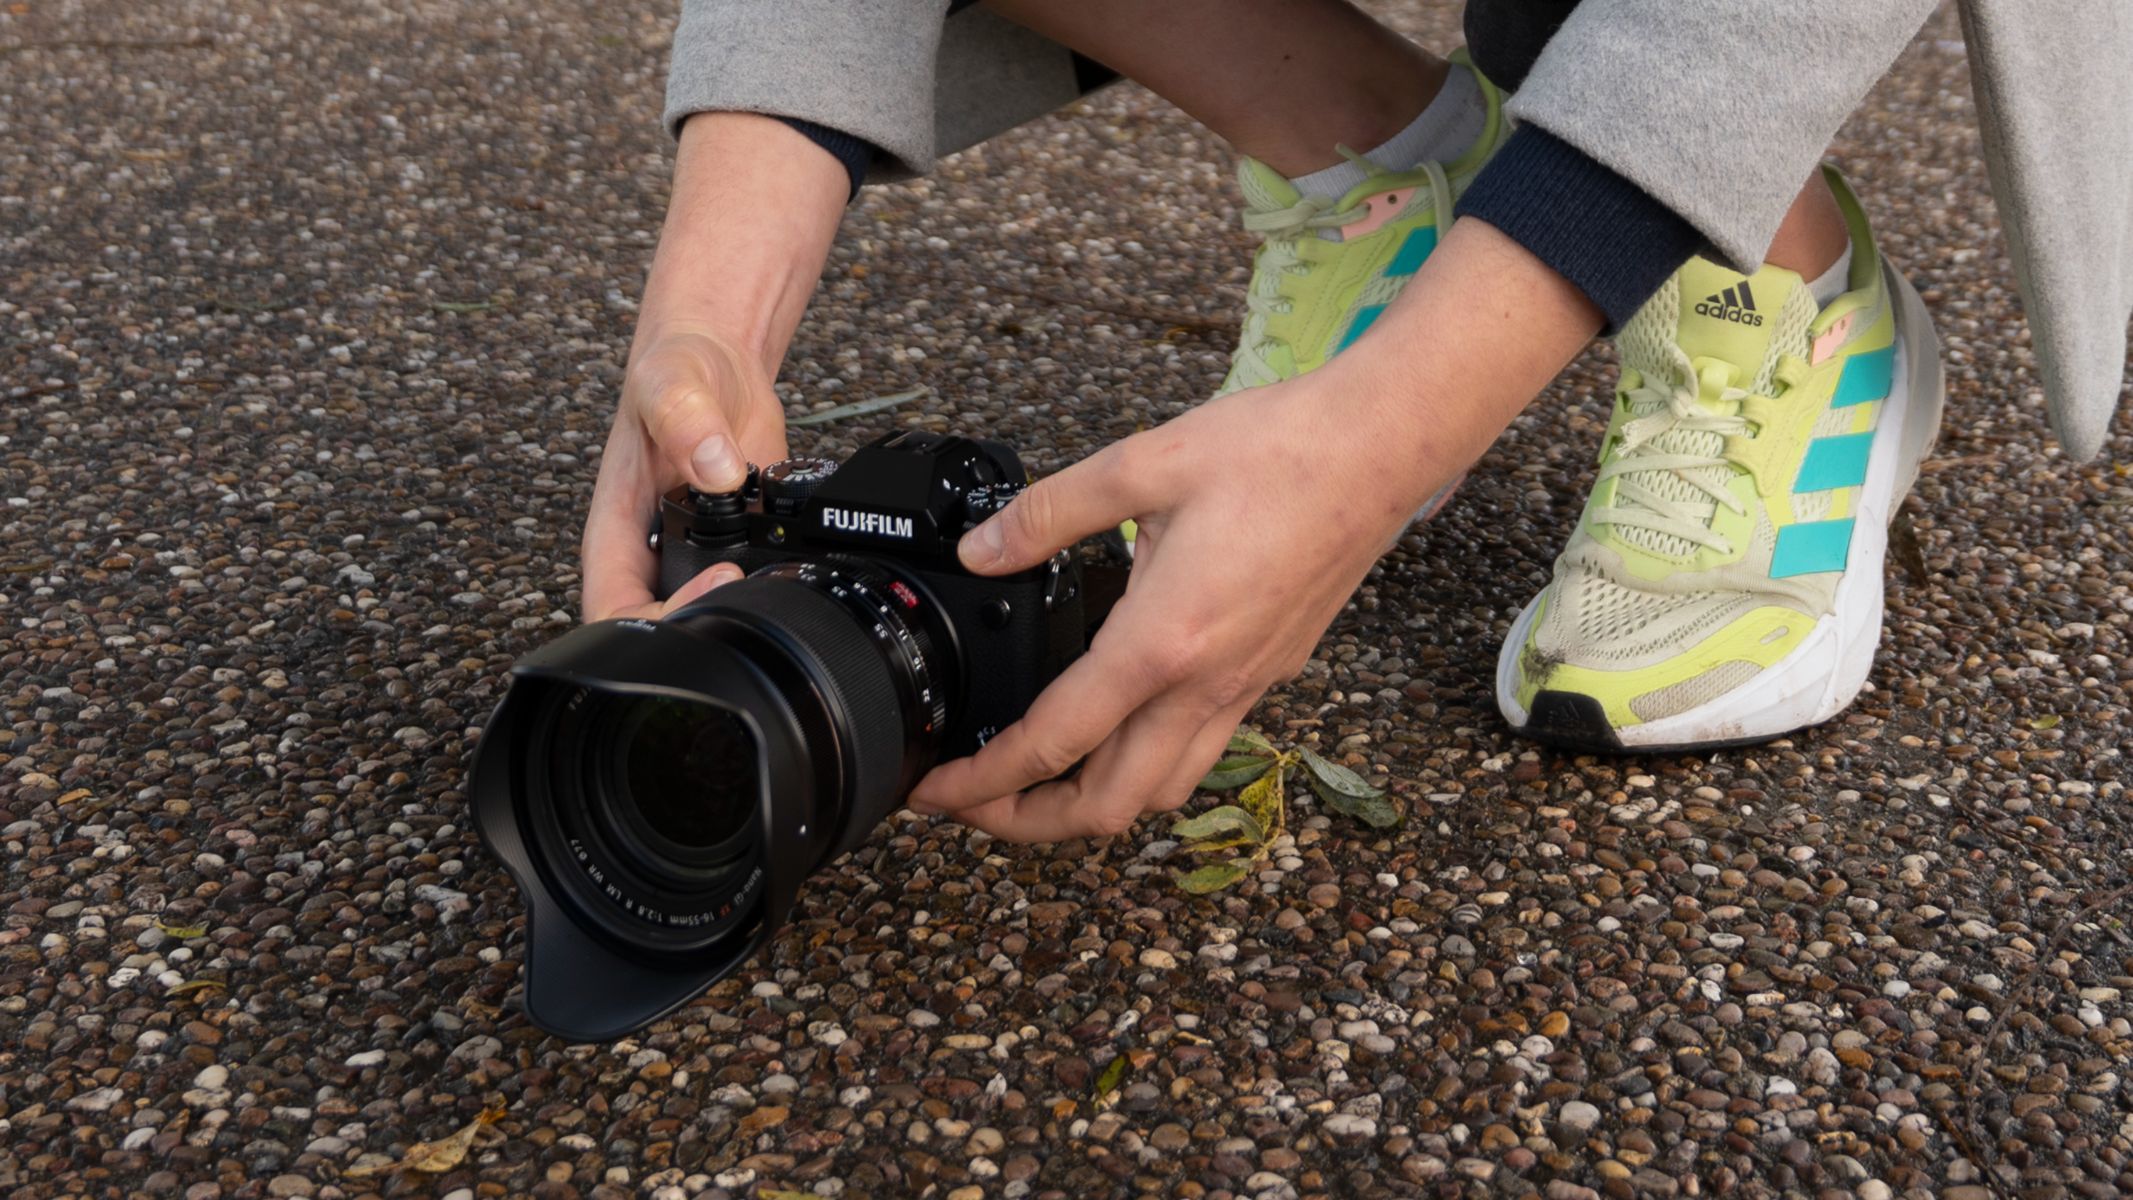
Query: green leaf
x=1236, y=771
x=1263, y=799
x=1214, y=876
x=1377, y=810
x=182, y=932
x=860, y=408
x=1248, y=741
x=1326, y=774
x=1218, y=822
x=2047, y=721
x=463, y=306
x=1113, y=1075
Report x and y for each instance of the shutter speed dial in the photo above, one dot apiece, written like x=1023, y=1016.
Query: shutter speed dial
x=788, y=484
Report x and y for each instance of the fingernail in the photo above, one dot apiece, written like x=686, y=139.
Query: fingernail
x=924, y=810
x=717, y=463
x=983, y=546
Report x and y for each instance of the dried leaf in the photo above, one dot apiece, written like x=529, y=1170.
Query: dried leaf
x=71, y=797
x=2047, y=721
x=182, y=932
x=1263, y=799
x=197, y=985
x=1235, y=771
x=859, y=408
x=1903, y=541
x=1113, y=1075
x=1219, y=822
x=1337, y=777
x=1230, y=842
x=1213, y=877
x=436, y=1157
x=786, y=1194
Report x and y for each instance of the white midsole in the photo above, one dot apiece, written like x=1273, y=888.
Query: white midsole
x=1821, y=676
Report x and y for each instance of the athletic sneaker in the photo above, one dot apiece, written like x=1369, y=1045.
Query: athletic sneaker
x=1724, y=583
x=1326, y=268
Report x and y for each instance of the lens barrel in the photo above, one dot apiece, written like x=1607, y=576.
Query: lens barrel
x=659, y=791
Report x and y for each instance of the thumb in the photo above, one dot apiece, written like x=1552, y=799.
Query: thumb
x=690, y=427
x=1050, y=515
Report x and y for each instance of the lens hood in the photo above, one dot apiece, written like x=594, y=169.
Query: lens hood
x=582, y=981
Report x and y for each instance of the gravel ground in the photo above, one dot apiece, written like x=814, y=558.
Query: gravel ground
x=315, y=319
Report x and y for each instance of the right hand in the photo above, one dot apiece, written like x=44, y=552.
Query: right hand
x=695, y=409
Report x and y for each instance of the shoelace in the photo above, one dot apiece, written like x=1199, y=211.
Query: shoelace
x=1697, y=395
x=1282, y=231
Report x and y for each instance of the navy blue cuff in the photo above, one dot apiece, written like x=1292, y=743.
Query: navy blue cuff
x=1601, y=232
x=856, y=154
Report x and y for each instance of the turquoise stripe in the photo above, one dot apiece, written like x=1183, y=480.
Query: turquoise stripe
x=1811, y=546
x=1834, y=462
x=1363, y=317
x=1866, y=377
x=1416, y=247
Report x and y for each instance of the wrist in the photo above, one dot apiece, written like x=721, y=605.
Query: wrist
x=755, y=206
x=1474, y=337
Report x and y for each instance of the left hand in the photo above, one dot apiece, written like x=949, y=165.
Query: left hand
x=1258, y=513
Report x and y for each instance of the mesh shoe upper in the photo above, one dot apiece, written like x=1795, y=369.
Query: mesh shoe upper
x=1326, y=268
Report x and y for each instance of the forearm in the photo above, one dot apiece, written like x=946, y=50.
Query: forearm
x=754, y=210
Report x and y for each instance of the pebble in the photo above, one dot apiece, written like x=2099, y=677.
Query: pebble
x=1349, y=1125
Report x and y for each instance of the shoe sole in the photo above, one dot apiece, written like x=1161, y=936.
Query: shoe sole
x=1826, y=672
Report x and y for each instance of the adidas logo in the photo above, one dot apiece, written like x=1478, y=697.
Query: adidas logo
x=1736, y=304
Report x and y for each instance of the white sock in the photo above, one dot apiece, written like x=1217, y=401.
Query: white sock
x=1834, y=282
x=1446, y=127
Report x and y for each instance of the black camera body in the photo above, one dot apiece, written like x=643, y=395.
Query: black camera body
x=902, y=502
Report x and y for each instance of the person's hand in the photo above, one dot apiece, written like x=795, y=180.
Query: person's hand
x=695, y=409
x=1259, y=514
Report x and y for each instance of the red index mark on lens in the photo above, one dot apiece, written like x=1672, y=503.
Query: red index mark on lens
x=904, y=593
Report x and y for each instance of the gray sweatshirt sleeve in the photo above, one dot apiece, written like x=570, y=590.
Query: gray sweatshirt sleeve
x=1718, y=111
x=863, y=67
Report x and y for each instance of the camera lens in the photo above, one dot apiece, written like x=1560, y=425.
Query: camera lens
x=660, y=790
x=686, y=772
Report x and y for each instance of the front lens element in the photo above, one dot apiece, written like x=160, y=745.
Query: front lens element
x=688, y=770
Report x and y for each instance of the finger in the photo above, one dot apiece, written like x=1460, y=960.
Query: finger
x=1053, y=513
x=619, y=564
x=1124, y=778
x=704, y=581
x=1070, y=717
x=1200, y=756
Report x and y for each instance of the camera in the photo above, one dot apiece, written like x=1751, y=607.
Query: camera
x=659, y=790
